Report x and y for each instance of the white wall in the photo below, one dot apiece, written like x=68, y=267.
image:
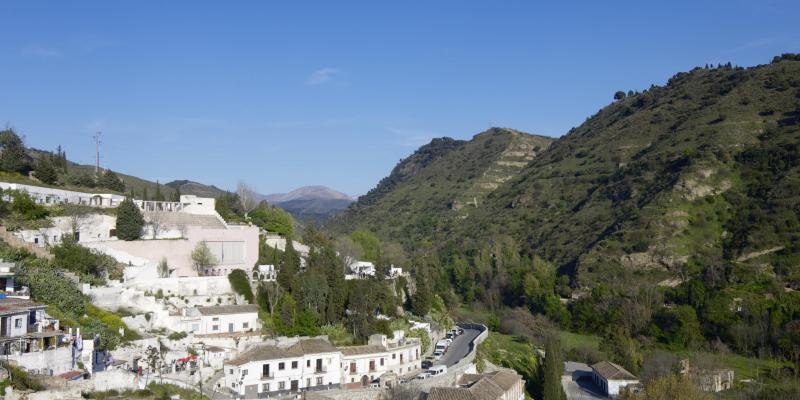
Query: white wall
x=222, y=323
x=238, y=380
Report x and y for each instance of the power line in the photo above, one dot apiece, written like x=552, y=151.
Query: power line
x=97, y=141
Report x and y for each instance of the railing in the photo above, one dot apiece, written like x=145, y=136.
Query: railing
x=320, y=370
x=269, y=375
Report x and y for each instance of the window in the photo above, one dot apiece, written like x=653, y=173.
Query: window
x=215, y=327
x=381, y=361
x=265, y=387
x=18, y=323
x=244, y=372
x=319, y=380
x=281, y=385
x=352, y=368
x=308, y=382
x=308, y=363
x=294, y=364
x=230, y=371
x=281, y=367
x=215, y=319
x=394, y=356
x=245, y=325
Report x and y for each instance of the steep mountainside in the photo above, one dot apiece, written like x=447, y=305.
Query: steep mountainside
x=702, y=170
x=441, y=184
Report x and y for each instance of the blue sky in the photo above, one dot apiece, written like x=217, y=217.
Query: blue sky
x=288, y=94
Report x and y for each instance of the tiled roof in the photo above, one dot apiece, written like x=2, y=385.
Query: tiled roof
x=611, y=371
x=486, y=389
x=266, y=352
x=447, y=393
x=312, y=346
x=359, y=350
x=231, y=309
x=505, y=379
x=70, y=375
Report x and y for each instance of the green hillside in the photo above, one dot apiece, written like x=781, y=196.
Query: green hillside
x=441, y=184
x=668, y=220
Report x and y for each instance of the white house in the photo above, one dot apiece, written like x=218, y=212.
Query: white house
x=34, y=341
x=263, y=371
x=222, y=319
x=360, y=270
x=8, y=284
x=610, y=377
x=363, y=365
x=266, y=272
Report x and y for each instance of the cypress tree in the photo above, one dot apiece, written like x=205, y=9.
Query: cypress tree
x=129, y=221
x=158, y=196
x=422, y=298
x=289, y=266
x=553, y=369
x=176, y=197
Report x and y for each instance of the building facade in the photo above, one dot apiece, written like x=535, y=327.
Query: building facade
x=363, y=366
x=222, y=319
x=610, y=378
x=266, y=371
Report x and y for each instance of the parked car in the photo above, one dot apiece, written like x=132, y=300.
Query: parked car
x=437, y=355
x=427, y=364
x=423, y=376
x=437, y=370
x=460, y=331
x=449, y=335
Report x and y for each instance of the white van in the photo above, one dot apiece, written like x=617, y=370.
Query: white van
x=437, y=370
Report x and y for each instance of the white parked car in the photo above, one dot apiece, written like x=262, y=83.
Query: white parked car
x=437, y=370
x=423, y=376
x=437, y=355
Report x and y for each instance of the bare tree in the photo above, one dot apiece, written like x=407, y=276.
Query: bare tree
x=156, y=221
x=348, y=250
x=202, y=257
x=274, y=293
x=77, y=216
x=247, y=197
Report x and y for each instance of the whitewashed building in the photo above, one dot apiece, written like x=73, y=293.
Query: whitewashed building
x=222, y=319
x=51, y=196
x=264, y=371
x=363, y=365
x=610, y=378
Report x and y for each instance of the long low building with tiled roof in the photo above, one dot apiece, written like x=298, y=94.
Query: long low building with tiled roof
x=314, y=364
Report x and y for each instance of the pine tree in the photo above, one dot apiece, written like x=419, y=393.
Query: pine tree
x=13, y=156
x=110, y=180
x=45, y=171
x=129, y=221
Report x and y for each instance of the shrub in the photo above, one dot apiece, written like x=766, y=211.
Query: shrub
x=129, y=221
x=241, y=284
x=177, y=335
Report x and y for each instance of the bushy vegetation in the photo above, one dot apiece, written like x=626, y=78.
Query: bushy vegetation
x=90, y=265
x=241, y=284
x=692, y=184
x=49, y=285
x=273, y=219
x=129, y=221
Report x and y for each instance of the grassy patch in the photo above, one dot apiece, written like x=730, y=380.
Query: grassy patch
x=571, y=340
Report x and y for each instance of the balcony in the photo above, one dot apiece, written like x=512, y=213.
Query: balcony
x=267, y=376
x=320, y=370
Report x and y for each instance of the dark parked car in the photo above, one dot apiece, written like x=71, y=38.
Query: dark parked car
x=427, y=364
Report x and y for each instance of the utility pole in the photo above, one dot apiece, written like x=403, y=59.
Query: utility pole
x=97, y=142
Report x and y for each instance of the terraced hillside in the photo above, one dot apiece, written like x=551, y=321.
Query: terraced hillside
x=441, y=184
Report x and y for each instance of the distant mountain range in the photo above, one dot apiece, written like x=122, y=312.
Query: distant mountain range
x=316, y=203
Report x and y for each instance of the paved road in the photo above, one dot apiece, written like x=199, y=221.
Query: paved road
x=459, y=349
